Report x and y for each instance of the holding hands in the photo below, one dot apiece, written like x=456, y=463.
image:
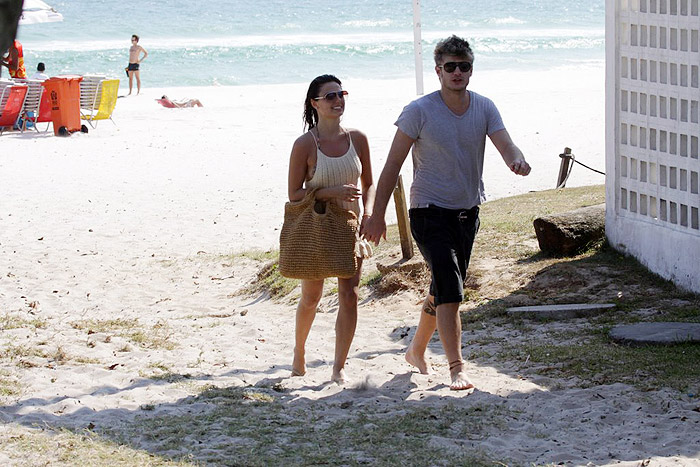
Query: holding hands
x=373, y=229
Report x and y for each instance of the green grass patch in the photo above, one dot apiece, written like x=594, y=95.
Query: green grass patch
x=252, y=426
x=63, y=447
x=229, y=396
x=515, y=214
x=370, y=280
x=13, y=352
x=9, y=384
x=162, y=372
x=258, y=255
x=87, y=360
x=269, y=280
x=105, y=325
x=158, y=336
x=596, y=360
x=170, y=377
x=13, y=321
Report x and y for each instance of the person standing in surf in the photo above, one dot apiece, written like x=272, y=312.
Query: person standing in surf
x=135, y=59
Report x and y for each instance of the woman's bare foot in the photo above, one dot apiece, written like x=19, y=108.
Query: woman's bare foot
x=299, y=364
x=460, y=381
x=339, y=377
x=413, y=358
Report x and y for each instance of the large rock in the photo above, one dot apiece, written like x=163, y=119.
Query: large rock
x=570, y=232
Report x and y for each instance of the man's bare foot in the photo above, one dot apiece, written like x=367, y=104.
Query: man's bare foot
x=298, y=365
x=460, y=381
x=339, y=377
x=417, y=360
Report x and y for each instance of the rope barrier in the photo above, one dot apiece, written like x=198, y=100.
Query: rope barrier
x=589, y=168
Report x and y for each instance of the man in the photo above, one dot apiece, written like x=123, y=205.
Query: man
x=15, y=61
x=40, y=75
x=447, y=130
x=135, y=60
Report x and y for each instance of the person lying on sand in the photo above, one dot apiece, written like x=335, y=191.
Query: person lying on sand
x=447, y=130
x=165, y=101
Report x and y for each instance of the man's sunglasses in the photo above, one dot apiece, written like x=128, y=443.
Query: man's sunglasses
x=450, y=67
x=332, y=95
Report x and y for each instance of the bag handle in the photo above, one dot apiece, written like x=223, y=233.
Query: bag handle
x=308, y=198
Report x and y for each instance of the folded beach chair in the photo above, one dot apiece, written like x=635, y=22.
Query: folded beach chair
x=5, y=86
x=37, y=107
x=11, y=104
x=107, y=91
x=89, y=92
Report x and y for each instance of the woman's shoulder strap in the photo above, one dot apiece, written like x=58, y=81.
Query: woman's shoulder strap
x=314, y=137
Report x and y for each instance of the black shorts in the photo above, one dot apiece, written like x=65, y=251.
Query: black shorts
x=133, y=67
x=445, y=238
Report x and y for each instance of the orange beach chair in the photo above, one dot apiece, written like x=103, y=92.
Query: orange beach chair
x=11, y=105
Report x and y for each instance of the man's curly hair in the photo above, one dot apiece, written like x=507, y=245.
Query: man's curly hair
x=453, y=45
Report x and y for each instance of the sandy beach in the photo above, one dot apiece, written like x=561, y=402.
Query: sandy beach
x=120, y=242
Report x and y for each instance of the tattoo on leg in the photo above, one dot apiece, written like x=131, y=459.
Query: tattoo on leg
x=429, y=308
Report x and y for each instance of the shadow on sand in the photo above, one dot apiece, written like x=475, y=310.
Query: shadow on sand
x=407, y=418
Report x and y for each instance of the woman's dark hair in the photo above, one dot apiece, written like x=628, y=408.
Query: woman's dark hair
x=310, y=114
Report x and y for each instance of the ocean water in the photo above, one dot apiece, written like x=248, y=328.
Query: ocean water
x=238, y=42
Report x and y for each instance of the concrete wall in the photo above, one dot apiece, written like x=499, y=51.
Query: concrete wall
x=652, y=124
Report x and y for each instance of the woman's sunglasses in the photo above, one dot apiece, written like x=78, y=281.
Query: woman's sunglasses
x=450, y=67
x=332, y=95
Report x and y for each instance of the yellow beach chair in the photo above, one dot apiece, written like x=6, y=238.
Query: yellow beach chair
x=108, y=100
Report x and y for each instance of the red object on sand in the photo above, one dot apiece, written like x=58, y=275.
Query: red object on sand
x=13, y=106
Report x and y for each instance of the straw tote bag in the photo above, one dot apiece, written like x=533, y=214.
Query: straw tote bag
x=317, y=240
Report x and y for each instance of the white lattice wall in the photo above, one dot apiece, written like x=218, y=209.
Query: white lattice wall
x=652, y=121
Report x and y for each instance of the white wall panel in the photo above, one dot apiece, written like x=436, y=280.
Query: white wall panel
x=653, y=127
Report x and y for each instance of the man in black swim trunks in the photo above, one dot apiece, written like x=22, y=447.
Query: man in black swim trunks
x=135, y=60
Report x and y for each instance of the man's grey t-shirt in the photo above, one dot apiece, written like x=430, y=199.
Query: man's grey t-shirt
x=448, y=154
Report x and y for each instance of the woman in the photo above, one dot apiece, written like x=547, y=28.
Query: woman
x=165, y=101
x=330, y=158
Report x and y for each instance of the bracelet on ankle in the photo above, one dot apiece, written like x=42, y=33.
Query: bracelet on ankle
x=454, y=364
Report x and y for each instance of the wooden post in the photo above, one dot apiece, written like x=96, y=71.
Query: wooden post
x=564, y=168
x=402, y=220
